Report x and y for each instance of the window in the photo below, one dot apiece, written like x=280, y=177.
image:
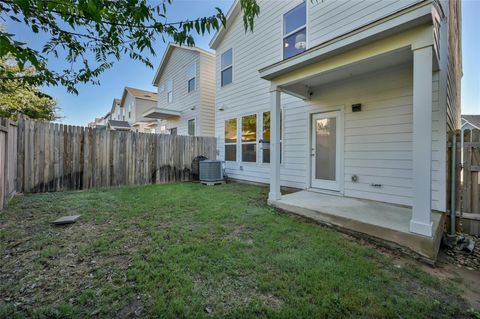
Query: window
x=191, y=85
x=170, y=91
x=191, y=127
x=249, y=138
x=295, y=31
x=191, y=76
x=226, y=67
x=173, y=131
x=130, y=110
x=266, y=137
x=231, y=140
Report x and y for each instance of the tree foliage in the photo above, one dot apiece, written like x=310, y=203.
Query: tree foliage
x=18, y=98
x=76, y=30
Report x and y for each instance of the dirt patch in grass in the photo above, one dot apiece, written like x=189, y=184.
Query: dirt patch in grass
x=223, y=295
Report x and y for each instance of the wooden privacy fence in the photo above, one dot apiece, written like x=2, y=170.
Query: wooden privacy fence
x=56, y=157
x=8, y=159
x=471, y=169
x=470, y=182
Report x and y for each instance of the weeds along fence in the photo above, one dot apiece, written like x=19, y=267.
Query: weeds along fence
x=8, y=160
x=56, y=157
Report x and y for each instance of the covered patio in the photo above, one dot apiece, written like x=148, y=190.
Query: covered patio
x=376, y=220
x=415, y=227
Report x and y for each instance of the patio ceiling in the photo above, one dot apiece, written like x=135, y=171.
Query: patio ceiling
x=307, y=87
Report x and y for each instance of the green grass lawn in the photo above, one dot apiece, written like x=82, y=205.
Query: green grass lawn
x=187, y=250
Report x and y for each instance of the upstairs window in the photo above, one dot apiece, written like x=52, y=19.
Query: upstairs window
x=170, y=91
x=130, y=110
x=226, y=68
x=295, y=31
x=191, y=78
x=173, y=131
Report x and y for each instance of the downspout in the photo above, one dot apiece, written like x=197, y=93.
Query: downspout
x=453, y=187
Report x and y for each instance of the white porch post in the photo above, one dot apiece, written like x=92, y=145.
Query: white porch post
x=274, y=193
x=421, y=222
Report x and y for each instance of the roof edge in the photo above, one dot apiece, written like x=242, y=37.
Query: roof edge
x=170, y=47
x=218, y=36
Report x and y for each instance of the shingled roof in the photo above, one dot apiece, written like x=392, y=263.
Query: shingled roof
x=119, y=125
x=472, y=119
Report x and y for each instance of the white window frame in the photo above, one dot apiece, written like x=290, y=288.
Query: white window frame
x=230, y=143
x=170, y=91
x=192, y=75
x=225, y=68
x=130, y=110
x=282, y=131
x=305, y=26
x=251, y=142
x=194, y=128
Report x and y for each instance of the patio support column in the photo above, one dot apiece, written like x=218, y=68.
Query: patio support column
x=274, y=193
x=421, y=222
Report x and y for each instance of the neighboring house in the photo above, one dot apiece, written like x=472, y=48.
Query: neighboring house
x=133, y=104
x=348, y=99
x=116, y=112
x=115, y=125
x=115, y=119
x=470, y=122
x=100, y=122
x=186, y=91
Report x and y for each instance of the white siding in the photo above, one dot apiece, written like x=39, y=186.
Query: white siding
x=329, y=19
x=190, y=104
x=206, y=86
x=378, y=140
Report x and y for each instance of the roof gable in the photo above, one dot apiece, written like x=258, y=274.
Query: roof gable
x=168, y=53
x=473, y=120
x=231, y=14
x=115, y=104
x=138, y=94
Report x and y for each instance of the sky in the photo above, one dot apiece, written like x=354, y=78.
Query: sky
x=96, y=100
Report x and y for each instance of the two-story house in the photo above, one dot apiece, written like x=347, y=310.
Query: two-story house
x=133, y=104
x=116, y=118
x=348, y=101
x=186, y=91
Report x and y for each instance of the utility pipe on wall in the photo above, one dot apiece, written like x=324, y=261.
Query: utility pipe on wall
x=453, y=188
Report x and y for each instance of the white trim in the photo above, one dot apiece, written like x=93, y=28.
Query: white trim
x=191, y=76
x=229, y=66
x=305, y=26
x=338, y=184
x=239, y=138
x=230, y=143
x=421, y=222
x=169, y=90
x=194, y=118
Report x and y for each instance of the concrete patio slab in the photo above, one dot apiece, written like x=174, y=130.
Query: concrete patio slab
x=381, y=221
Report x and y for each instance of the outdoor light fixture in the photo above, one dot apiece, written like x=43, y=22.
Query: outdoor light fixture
x=356, y=107
x=300, y=41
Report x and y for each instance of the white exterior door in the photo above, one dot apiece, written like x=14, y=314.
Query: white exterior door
x=326, y=163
